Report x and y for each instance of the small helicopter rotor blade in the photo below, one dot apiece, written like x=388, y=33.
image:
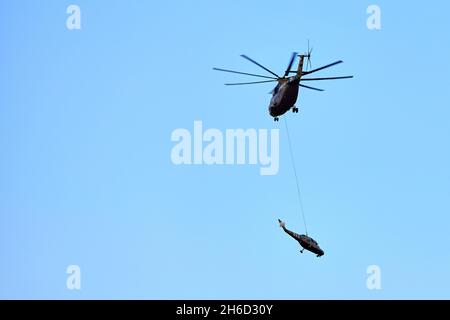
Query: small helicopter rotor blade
x=286, y=73
x=312, y=88
x=329, y=78
x=245, y=83
x=245, y=73
x=309, y=58
x=324, y=67
x=259, y=65
x=308, y=62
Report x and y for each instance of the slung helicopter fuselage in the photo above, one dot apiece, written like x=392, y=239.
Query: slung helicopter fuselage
x=310, y=244
x=305, y=241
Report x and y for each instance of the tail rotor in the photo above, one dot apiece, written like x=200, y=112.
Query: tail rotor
x=308, y=56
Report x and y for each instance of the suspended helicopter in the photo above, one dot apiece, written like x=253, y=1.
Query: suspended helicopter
x=305, y=241
x=285, y=94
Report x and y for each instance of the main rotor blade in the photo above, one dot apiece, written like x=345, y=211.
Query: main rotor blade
x=321, y=68
x=259, y=65
x=312, y=88
x=243, y=83
x=324, y=67
x=329, y=78
x=245, y=73
x=286, y=73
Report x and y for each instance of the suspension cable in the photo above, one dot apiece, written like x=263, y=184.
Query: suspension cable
x=296, y=177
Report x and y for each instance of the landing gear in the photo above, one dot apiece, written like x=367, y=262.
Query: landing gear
x=294, y=109
x=302, y=250
x=275, y=119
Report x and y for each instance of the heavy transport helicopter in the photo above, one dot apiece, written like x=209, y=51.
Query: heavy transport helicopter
x=285, y=94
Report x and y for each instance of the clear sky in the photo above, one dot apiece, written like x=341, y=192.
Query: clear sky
x=86, y=176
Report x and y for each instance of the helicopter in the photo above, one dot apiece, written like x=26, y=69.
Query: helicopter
x=285, y=94
x=305, y=241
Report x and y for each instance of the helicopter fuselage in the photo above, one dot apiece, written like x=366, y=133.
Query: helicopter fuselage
x=284, y=96
x=305, y=241
x=311, y=245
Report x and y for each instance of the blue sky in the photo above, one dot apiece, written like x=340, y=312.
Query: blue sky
x=86, y=176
